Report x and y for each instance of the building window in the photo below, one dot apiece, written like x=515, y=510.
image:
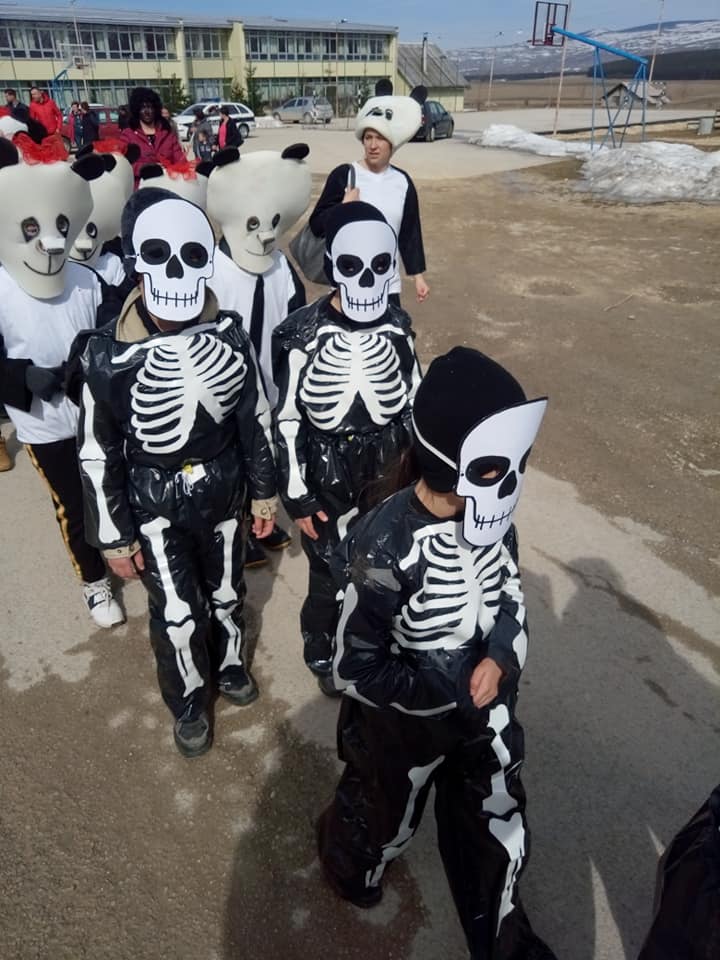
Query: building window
x=206, y=44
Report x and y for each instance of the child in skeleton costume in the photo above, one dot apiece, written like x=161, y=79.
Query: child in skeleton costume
x=383, y=125
x=431, y=642
x=347, y=372
x=45, y=301
x=254, y=200
x=174, y=428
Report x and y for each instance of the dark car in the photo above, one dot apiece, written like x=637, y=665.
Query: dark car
x=108, y=117
x=436, y=122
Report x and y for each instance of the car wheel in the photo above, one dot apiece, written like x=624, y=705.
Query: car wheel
x=451, y=131
x=430, y=134
x=244, y=130
x=307, y=118
x=329, y=119
x=276, y=116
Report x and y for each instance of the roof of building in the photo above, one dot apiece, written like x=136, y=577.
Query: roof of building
x=655, y=91
x=154, y=18
x=440, y=70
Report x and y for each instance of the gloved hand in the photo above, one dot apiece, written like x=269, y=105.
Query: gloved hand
x=44, y=382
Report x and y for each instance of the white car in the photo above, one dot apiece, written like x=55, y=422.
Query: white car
x=242, y=115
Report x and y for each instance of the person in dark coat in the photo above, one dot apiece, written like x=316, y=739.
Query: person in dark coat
x=87, y=131
x=228, y=133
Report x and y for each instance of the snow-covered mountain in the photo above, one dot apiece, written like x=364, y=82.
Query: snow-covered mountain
x=521, y=58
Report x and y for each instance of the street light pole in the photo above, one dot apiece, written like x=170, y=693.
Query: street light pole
x=492, y=70
x=556, y=123
x=655, y=47
x=337, y=65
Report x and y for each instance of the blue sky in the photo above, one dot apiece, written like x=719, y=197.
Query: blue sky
x=451, y=23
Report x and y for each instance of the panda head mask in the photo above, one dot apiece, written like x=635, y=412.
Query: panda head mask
x=256, y=198
x=397, y=119
x=45, y=204
x=473, y=433
x=360, y=257
x=110, y=192
x=169, y=242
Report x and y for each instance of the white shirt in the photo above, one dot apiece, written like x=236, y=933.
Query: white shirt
x=386, y=191
x=235, y=289
x=43, y=331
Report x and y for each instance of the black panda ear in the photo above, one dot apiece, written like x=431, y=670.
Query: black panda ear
x=84, y=151
x=383, y=88
x=149, y=171
x=419, y=93
x=9, y=155
x=204, y=168
x=225, y=156
x=296, y=151
x=109, y=161
x=132, y=154
x=89, y=167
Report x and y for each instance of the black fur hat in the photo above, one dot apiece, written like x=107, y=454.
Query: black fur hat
x=140, y=95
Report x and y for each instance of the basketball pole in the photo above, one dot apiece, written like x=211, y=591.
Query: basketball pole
x=655, y=47
x=556, y=122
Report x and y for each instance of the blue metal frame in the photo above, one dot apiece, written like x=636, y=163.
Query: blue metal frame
x=600, y=77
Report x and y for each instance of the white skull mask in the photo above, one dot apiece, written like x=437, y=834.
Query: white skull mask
x=174, y=245
x=500, y=445
x=363, y=257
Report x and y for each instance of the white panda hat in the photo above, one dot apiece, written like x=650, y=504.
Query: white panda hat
x=397, y=119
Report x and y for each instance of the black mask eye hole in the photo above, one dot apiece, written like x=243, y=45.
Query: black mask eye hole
x=252, y=223
x=523, y=462
x=30, y=228
x=91, y=230
x=155, y=250
x=63, y=225
x=381, y=263
x=388, y=114
x=194, y=254
x=486, y=471
x=349, y=265
x=276, y=219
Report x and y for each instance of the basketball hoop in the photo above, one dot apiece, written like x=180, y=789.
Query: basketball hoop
x=548, y=16
x=77, y=56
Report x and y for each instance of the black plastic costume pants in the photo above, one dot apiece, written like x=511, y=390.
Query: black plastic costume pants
x=343, y=473
x=192, y=541
x=57, y=464
x=473, y=761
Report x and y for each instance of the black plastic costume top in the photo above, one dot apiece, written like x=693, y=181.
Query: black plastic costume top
x=165, y=412
x=421, y=608
x=337, y=380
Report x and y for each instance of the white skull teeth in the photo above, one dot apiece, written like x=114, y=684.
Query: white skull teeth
x=483, y=522
x=364, y=304
x=186, y=300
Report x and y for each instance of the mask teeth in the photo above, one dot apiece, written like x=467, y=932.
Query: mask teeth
x=186, y=300
x=483, y=522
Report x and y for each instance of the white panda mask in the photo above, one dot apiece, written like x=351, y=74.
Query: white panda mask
x=256, y=198
x=397, y=119
x=45, y=203
x=187, y=180
x=173, y=246
x=110, y=192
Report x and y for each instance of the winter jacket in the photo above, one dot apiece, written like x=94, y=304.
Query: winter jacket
x=47, y=113
x=164, y=147
x=90, y=129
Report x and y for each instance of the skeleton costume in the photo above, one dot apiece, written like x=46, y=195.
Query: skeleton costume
x=426, y=599
x=346, y=382
x=175, y=428
x=45, y=301
x=392, y=191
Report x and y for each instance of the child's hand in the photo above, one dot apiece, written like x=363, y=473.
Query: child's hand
x=129, y=568
x=263, y=528
x=484, y=682
x=305, y=524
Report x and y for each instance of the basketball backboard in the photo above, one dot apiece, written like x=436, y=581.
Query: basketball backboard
x=547, y=16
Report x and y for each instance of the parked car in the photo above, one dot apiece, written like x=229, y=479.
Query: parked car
x=305, y=110
x=436, y=122
x=241, y=114
x=108, y=117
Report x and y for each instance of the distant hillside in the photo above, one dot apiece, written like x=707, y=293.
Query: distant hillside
x=520, y=59
x=695, y=65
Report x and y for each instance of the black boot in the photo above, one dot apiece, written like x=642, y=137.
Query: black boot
x=193, y=736
x=254, y=554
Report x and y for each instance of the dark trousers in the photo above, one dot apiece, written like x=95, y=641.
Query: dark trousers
x=345, y=474
x=195, y=585
x=57, y=464
x=474, y=762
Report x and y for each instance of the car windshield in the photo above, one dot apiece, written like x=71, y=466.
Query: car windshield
x=188, y=111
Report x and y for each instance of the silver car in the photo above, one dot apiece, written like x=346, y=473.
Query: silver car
x=242, y=115
x=305, y=110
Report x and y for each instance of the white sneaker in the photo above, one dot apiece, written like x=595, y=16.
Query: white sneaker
x=103, y=607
